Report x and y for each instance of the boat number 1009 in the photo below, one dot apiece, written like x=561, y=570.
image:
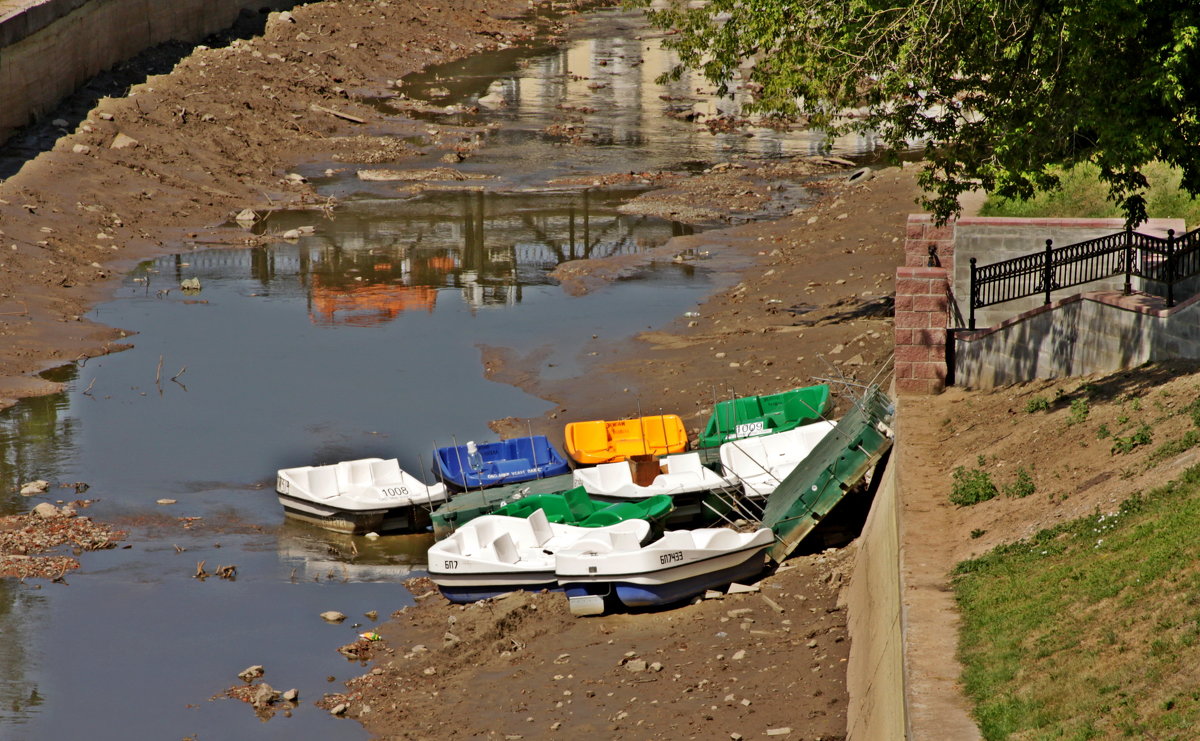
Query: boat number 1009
x=749, y=428
x=675, y=557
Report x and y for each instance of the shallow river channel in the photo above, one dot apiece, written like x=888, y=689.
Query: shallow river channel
x=362, y=339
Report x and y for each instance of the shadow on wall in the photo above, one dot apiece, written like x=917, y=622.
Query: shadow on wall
x=1078, y=336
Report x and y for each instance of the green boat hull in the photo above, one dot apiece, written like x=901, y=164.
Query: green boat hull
x=468, y=505
x=751, y=416
x=835, y=466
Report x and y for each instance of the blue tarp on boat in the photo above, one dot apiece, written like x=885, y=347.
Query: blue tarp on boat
x=496, y=463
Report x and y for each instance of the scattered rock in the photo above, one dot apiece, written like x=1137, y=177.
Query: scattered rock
x=291, y=234
x=246, y=216
x=295, y=177
x=341, y=708
x=105, y=116
x=81, y=149
x=635, y=665
x=60, y=123
x=713, y=594
x=251, y=673
x=190, y=284
x=46, y=510
x=779, y=731
x=264, y=696
x=332, y=616
x=34, y=487
x=736, y=588
x=123, y=141
x=739, y=655
x=292, y=695
x=165, y=501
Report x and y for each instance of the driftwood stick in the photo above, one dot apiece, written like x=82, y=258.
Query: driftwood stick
x=339, y=114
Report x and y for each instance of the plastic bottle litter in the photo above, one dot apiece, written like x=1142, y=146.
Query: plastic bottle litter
x=474, y=459
x=691, y=314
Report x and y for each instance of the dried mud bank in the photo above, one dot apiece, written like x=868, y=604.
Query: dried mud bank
x=522, y=667
x=165, y=167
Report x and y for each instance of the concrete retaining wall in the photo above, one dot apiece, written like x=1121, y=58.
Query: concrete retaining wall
x=49, y=48
x=875, y=672
x=1089, y=333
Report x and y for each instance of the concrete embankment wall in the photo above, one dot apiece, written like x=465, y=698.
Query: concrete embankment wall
x=1090, y=333
x=50, y=47
x=875, y=673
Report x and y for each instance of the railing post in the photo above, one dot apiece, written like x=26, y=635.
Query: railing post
x=1128, y=260
x=1170, y=268
x=974, y=295
x=1048, y=275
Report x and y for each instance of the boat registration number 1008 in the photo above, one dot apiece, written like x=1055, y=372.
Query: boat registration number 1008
x=749, y=428
x=667, y=558
x=395, y=491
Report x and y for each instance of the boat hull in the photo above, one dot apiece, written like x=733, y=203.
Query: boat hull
x=411, y=518
x=671, y=585
x=464, y=588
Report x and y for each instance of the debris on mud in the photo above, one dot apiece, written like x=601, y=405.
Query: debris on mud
x=23, y=537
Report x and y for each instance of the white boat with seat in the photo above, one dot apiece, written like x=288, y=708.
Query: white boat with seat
x=679, y=474
x=676, y=567
x=359, y=496
x=494, y=554
x=761, y=463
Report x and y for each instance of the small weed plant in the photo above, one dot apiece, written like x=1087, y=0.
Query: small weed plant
x=1079, y=412
x=1037, y=404
x=1103, y=432
x=1126, y=443
x=1021, y=486
x=1172, y=448
x=971, y=486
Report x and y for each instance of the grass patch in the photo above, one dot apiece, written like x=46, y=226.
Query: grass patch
x=1037, y=404
x=1083, y=195
x=1079, y=412
x=1136, y=439
x=1172, y=448
x=1021, y=486
x=971, y=486
x=1090, y=629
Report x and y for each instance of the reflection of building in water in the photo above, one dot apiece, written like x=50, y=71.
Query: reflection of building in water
x=379, y=259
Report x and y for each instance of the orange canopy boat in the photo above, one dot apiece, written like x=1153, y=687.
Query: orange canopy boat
x=609, y=442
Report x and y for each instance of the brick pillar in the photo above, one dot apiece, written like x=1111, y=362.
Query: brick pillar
x=922, y=315
x=920, y=234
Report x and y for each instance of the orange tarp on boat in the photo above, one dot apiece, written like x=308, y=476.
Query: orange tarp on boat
x=608, y=442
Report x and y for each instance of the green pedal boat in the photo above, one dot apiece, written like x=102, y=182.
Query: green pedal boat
x=751, y=416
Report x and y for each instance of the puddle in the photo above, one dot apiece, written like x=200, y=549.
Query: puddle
x=362, y=339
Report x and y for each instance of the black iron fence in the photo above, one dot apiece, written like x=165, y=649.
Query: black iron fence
x=1133, y=254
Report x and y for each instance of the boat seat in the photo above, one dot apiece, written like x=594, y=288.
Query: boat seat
x=385, y=472
x=614, y=513
x=612, y=476
x=468, y=541
x=687, y=463
x=589, y=436
x=505, y=549
x=540, y=524
x=625, y=540
x=322, y=482
x=677, y=539
x=352, y=474
x=578, y=503
x=721, y=538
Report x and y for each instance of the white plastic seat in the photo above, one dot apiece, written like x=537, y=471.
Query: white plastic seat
x=624, y=540
x=720, y=538
x=322, y=482
x=540, y=525
x=385, y=472
x=505, y=549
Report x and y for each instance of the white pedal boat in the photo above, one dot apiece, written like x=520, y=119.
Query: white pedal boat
x=681, y=474
x=676, y=567
x=361, y=496
x=494, y=554
x=760, y=463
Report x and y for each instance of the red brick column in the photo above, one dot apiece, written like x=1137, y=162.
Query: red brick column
x=920, y=234
x=922, y=315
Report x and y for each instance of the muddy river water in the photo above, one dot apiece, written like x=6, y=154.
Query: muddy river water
x=361, y=339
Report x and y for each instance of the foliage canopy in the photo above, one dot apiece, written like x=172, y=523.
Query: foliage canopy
x=998, y=90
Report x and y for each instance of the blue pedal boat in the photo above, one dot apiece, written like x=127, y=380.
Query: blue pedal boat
x=512, y=461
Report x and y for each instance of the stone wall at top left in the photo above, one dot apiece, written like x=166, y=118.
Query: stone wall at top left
x=48, y=48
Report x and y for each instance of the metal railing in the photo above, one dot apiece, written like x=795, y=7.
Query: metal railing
x=1167, y=261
